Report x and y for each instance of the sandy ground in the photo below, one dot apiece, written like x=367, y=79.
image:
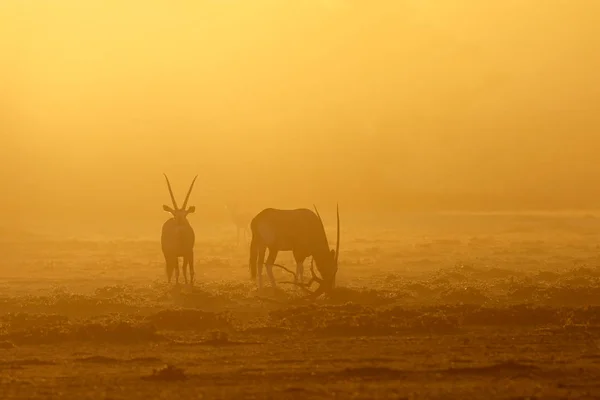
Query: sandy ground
x=474, y=307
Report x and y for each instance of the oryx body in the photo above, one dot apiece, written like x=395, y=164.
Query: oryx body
x=178, y=238
x=300, y=231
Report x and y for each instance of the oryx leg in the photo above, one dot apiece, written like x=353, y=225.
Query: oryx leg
x=170, y=265
x=192, y=272
x=299, y=270
x=184, y=266
x=259, y=266
x=269, y=265
x=299, y=257
x=176, y=267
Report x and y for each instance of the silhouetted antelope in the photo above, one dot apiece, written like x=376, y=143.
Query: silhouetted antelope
x=241, y=220
x=177, y=239
x=300, y=231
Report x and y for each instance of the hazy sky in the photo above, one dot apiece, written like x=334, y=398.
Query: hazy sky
x=281, y=103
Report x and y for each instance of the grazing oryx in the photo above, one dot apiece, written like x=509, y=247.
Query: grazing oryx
x=177, y=239
x=241, y=220
x=300, y=231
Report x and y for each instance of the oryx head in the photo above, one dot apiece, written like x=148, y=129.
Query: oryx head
x=328, y=264
x=179, y=214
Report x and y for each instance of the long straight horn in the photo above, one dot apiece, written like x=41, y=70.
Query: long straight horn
x=188, y=193
x=318, y=215
x=337, y=242
x=171, y=192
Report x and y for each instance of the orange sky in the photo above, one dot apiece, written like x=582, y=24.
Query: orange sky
x=286, y=103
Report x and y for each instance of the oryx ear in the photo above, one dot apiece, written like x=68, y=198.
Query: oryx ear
x=167, y=208
x=191, y=209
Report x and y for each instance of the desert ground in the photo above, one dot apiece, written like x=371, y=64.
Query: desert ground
x=475, y=306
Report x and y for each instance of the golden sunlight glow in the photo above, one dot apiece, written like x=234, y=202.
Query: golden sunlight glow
x=361, y=199
x=374, y=104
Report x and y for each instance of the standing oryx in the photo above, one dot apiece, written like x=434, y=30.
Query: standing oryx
x=300, y=231
x=240, y=219
x=177, y=239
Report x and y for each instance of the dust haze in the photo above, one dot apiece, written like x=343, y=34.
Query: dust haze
x=459, y=138
x=398, y=105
